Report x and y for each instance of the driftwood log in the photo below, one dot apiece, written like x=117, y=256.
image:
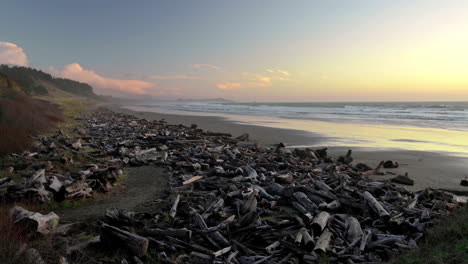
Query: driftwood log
x=376, y=206
x=115, y=237
x=33, y=222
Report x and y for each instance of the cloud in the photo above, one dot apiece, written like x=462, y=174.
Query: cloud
x=255, y=80
x=238, y=85
x=175, y=77
x=11, y=53
x=262, y=78
x=285, y=73
x=205, y=66
x=102, y=84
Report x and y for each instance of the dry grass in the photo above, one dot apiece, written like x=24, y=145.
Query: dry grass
x=22, y=117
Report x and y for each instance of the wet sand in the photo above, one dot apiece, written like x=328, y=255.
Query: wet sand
x=427, y=169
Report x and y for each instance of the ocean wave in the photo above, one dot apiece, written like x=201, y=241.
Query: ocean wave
x=437, y=115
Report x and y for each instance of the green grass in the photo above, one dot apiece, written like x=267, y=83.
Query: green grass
x=446, y=243
x=72, y=107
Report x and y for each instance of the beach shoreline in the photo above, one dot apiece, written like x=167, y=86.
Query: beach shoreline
x=426, y=168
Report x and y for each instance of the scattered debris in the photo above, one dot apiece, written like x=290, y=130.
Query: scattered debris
x=390, y=164
x=234, y=201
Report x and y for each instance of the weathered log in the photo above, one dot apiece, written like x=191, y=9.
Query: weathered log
x=251, y=204
x=272, y=247
x=216, y=134
x=323, y=243
x=403, y=179
x=39, y=176
x=464, y=182
x=377, y=171
x=173, y=210
x=390, y=164
x=247, y=251
x=376, y=206
x=190, y=245
x=307, y=238
x=303, y=211
x=222, y=251
x=322, y=186
x=183, y=233
x=388, y=241
x=250, y=173
x=365, y=239
x=33, y=222
x=90, y=243
x=213, y=207
x=347, y=159
x=200, y=258
x=216, y=238
x=243, y=137
x=113, y=236
x=285, y=178
x=78, y=190
x=298, y=238
x=320, y=222
x=353, y=230
x=192, y=180
x=69, y=229
x=303, y=200
x=55, y=184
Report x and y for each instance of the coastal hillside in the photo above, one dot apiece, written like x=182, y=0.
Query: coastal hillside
x=35, y=82
x=22, y=115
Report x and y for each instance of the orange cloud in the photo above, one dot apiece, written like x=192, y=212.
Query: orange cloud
x=11, y=53
x=102, y=84
x=262, y=78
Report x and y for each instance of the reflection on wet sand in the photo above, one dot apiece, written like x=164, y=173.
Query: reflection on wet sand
x=356, y=135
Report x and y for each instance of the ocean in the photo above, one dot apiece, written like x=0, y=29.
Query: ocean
x=427, y=126
x=444, y=115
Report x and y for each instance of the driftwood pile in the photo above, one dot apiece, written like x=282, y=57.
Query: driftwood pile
x=233, y=201
x=45, y=174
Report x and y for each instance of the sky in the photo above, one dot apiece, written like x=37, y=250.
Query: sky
x=247, y=50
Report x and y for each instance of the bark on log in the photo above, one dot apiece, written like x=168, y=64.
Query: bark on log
x=376, y=206
x=353, y=230
x=323, y=243
x=114, y=236
x=320, y=222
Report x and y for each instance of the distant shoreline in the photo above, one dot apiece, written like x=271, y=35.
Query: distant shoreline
x=428, y=169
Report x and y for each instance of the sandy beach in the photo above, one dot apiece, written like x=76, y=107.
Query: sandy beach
x=427, y=169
